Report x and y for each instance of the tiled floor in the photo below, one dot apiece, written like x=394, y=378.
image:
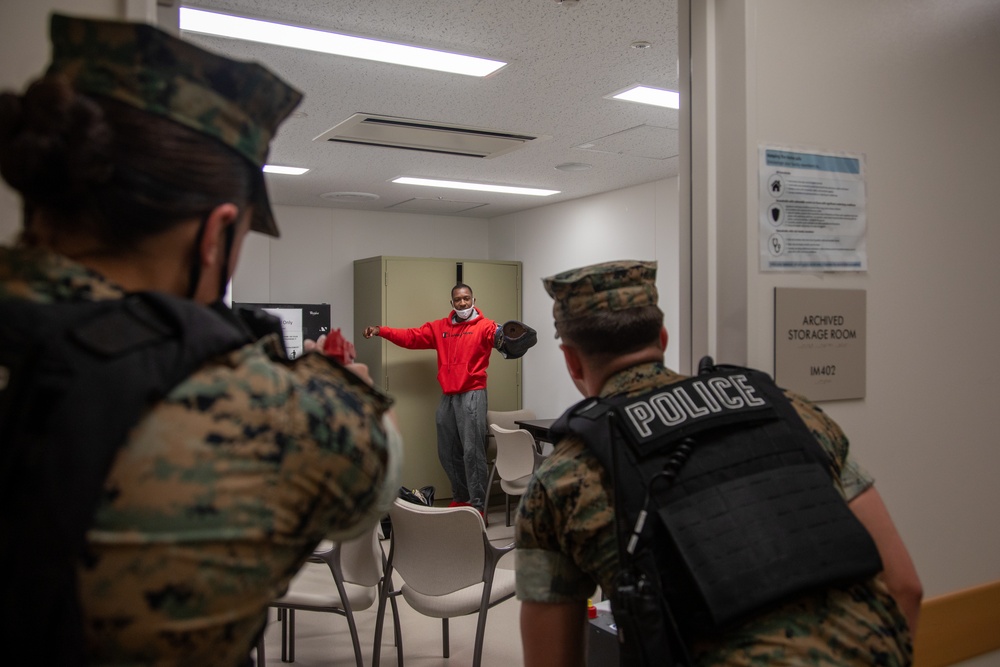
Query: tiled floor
x=323, y=639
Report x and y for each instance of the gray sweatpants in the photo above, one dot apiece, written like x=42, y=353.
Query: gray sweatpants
x=461, y=436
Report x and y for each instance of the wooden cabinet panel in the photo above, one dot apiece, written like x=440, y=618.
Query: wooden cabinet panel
x=491, y=283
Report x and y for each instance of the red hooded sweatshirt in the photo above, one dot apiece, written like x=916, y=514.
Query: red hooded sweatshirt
x=463, y=349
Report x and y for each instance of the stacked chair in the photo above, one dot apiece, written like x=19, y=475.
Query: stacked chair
x=517, y=459
x=505, y=419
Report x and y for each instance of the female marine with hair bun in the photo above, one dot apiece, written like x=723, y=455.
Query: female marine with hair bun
x=164, y=470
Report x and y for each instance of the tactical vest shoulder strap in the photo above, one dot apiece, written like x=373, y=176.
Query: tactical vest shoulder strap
x=74, y=379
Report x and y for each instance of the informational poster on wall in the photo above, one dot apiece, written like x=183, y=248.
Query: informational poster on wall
x=299, y=322
x=813, y=210
x=819, y=342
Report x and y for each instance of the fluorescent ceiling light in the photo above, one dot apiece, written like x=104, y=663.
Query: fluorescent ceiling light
x=291, y=171
x=308, y=39
x=480, y=187
x=647, y=95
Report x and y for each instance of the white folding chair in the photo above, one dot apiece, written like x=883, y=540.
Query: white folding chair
x=505, y=419
x=339, y=578
x=517, y=460
x=448, y=567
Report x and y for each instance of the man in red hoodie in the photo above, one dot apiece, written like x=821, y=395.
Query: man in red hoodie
x=464, y=341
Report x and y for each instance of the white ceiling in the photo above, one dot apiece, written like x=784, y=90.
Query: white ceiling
x=564, y=59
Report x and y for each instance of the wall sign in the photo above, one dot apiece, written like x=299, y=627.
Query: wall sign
x=812, y=213
x=819, y=342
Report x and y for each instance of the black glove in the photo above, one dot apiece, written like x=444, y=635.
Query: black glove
x=515, y=338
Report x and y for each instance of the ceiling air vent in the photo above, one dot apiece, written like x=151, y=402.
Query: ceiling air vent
x=420, y=135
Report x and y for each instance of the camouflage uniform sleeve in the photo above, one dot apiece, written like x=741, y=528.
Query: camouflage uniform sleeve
x=564, y=544
x=854, y=479
x=317, y=432
x=350, y=452
x=222, y=491
x=389, y=489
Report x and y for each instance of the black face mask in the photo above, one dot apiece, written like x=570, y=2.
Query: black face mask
x=195, y=274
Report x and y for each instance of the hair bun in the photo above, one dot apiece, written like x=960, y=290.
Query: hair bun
x=54, y=143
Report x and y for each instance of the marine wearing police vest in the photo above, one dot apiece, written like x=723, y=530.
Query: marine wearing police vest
x=711, y=510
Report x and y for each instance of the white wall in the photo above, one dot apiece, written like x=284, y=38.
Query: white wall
x=313, y=261
x=913, y=85
x=633, y=223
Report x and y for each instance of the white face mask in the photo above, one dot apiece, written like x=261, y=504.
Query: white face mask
x=464, y=314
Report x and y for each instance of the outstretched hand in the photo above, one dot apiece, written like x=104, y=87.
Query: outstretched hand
x=370, y=331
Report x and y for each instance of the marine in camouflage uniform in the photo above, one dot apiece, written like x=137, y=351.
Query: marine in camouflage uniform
x=222, y=490
x=224, y=487
x=565, y=533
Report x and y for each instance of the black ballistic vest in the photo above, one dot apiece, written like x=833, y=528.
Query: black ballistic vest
x=74, y=379
x=738, y=508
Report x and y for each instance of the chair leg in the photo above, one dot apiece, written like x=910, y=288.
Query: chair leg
x=444, y=637
x=288, y=635
x=354, y=636
x=379, y=619
x=507, y=495
x=283, y=617
x=387, y=594
x=484, y=607
x=338, y=576
x=489, y=482
x=398, y=637
x=260, y=660
x=477, y=656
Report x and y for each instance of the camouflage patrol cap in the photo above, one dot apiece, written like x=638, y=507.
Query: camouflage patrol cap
x=238, y=103
x=615, y=285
